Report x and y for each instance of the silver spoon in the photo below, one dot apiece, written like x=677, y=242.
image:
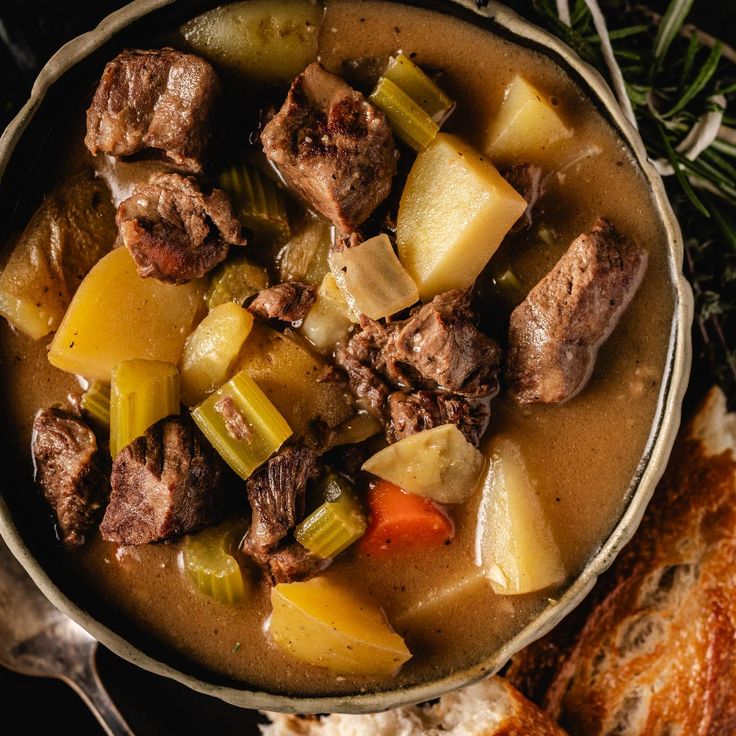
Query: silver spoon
x=37, y=639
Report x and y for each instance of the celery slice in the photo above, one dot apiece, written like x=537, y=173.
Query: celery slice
x=235, y=281
x=141, y=393
x=96, y=402
x=258, y=202
x=211, y=349
x=336, y=524
x=210, y=564
x=241, y=424
x=407, y=76
x=410, y=122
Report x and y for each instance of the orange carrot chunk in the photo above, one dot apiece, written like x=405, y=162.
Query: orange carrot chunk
x=403, y=521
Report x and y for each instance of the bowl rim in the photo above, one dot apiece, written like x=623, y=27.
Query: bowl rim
x=659, y=446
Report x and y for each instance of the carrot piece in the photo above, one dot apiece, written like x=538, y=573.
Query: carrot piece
x=401, y=521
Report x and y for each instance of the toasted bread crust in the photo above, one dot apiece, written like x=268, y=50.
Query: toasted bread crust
x=657, y=653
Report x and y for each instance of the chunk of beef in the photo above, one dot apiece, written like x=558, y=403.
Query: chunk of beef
x=333, y=147
x=68, y=470
x=555, y=333
x=442, y=344
x=412, y=413
x=526, y=179
x=160, y=99
x=276, y=495
x=164, y=484
x=445, y=369
x=291, y=563
x=174, y=231
x=288, y=302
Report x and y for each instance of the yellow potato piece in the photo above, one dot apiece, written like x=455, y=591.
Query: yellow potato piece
x=527, y=126
x=67, y=235
x=455, y=210
x=211, y=349
x=287, y=371
x=323, y=624
x=514, y=542
x=265, y=41
x=116, y=316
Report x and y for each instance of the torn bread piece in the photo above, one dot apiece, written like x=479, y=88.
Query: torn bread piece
x=489, y=708
x=656, y=653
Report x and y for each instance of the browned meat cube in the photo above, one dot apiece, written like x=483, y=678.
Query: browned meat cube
x=292, y=563
x=160, y=99
x=416, y=412
x=333, y=147
x=164, y=484
x=556, y=331
x=68, y=471
x=288, y=302
x=174, y=231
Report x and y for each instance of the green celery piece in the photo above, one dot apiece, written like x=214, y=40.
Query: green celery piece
x=141, y=393
x=96, y=402
x=241, y=424
x=257, y=201
x=334, y=525
x=235, y=281
x=410, y=122
x=406, y=75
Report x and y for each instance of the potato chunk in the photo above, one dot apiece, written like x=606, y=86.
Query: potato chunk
x=526, y=127
x=438, y=463
x=323, y=624
x=514, y=542
x=288, y=372
x=265, y=41
x=116, y=316
x=455, y=211
x=68, y=234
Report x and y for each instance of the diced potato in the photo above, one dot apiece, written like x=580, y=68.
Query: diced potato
x=68, y=234
x=527, y=126
x=288, y=371
x=265, y=41
x=116, y=316
x=514, y=542
x=372, y=280
x=327, y=322
x=323, y=624
x=438, y=463
x=211, y=349
x=455, y=210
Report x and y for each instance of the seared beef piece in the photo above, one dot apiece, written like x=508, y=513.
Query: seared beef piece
x=288, y=302
x=526, y=179
x=164, y=484
x=292, y=563
x=276, y=495
x=333, y=147
x=160, y=99
x=556, y=331
x=174, y=231
x=412, y=413
x=68, y=470
x=446, y=370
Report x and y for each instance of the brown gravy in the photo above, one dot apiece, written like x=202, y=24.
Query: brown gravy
x=583, y=453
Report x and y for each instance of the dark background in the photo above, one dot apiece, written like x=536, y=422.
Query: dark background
x=30, y=32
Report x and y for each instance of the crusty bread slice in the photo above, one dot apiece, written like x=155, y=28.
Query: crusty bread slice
x=656, y=655
x=489, y=708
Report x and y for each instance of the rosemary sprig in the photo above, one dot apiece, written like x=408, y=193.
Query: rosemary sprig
x=681, y=83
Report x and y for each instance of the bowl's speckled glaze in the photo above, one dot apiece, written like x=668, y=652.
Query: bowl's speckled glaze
x=143, y=15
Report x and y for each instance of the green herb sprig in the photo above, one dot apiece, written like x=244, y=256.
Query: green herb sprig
x=677, y=79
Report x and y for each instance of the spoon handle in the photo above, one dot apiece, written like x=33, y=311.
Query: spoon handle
x=86, y=682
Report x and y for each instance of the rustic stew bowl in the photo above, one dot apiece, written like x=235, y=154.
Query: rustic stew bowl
x=75, y=67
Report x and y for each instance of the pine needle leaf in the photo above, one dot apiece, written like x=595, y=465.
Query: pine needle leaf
x=704, y=76
x=670, y=26
x=681, y=178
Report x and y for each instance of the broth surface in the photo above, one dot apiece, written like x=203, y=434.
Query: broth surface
x=583, y=454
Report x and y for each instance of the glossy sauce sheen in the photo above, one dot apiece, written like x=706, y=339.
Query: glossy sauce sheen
x=583, y=454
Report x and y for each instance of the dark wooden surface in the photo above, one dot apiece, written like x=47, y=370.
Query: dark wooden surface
x=30, y=32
